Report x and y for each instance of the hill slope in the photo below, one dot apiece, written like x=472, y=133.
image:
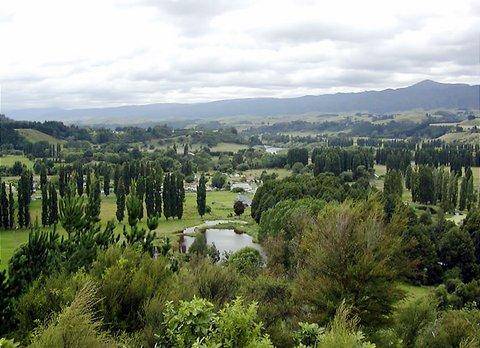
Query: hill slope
x=423, y=95
x=35, y=136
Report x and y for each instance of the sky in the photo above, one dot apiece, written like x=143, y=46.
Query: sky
x=99, y=53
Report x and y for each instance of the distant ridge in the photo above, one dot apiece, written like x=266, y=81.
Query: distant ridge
x=426, y=95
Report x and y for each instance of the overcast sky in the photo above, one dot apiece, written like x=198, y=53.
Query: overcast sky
x=91, y=53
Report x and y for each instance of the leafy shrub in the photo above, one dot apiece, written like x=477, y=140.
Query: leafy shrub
x=297, y=168
x=206, y=280
x=188, y=323
x=237, y=325
x=454, y=328
x=47, y=297
x=341, y=333
x=195, y=323
x=75, y=326
x=238, y=208
x=455, y=294
x=127, y=280
x=246, y=261
x=219, y=180
x=6, y=343
x=348, y=254
x=412, y=317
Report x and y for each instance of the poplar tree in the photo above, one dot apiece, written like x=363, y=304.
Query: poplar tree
x=53, y=205
x=79, y=179
x=179, y=195
x=106, y=182
x=24, y=191
x=44, y=189
x=62, y=181
x=43, y=176
x=120, y=200
x=470, y=193
x=453, y=191
x=94, y=200
x=150, y=195
x=408, y=178
x=11, y=207
x=88, y=183
x=117, y=174
x=4, y=207
x=158, y=192
x=393, y=183
x=2, y=210
x=167, y=196
x=202, y=196
x=45, y=205
x=462, y=202
x=134, y=205
x=140, y=191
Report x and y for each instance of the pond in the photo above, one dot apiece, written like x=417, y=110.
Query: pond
x=225, y=240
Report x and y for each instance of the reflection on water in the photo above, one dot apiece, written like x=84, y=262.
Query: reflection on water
x=225, y=240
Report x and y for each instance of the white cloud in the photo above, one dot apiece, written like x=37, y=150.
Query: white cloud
x=92, y=53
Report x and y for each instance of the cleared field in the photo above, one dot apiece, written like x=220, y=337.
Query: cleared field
x=35, y=136
x=229, y=147
x=10, y=160
x=463, y=137
x=255, y=173
x=221, y=203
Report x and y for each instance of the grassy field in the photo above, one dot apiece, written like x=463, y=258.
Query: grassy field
x=413, y=293
x=35, y=136
x=223, y=147
x=463, y=137
x=255, y=173
x=9, y=160
x=221, y=203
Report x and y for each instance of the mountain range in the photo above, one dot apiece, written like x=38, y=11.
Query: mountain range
x=425, y=95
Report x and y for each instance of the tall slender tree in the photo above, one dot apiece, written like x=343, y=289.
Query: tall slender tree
x=106, y=181
x=2, y=210
x=43, y=176
x=462, y=201
x=167, y=196
x=24, y=193
x=11, y=207
x=179, y=195
x=4, y=207
x=134, y=205
x=62, y=181
x=150, y=195
x=79, y=178
x=88, y=183
x=202, y=196
x=393, y=184
x=158, y=192
x=53, y=205
x=117, y=174
x=120, y=200
x=94, y=200
x=45, y=205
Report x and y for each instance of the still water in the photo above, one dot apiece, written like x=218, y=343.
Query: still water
x=225, y=240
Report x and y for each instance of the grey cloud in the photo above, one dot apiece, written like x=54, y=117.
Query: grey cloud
x=193, y=17
x=309, y=32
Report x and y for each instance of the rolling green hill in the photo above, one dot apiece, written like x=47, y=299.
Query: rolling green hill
x=35, y=136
